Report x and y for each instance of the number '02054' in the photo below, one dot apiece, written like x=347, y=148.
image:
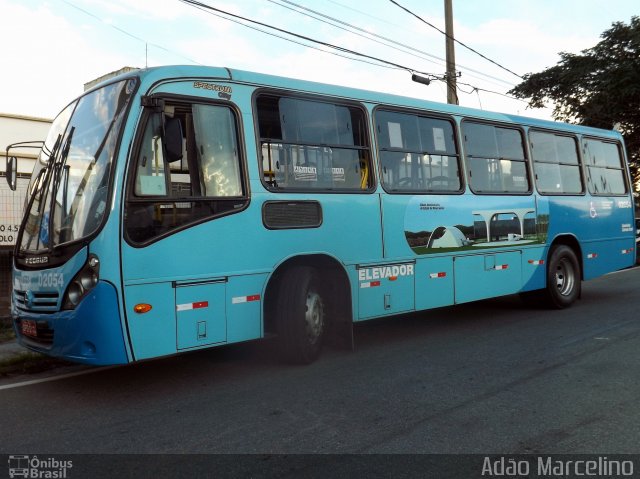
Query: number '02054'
x=51, y=280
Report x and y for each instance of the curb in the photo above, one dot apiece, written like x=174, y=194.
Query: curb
x=11, y=348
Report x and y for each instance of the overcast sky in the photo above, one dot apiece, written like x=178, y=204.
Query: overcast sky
x=51, y=48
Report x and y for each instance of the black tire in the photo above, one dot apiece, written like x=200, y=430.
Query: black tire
x=563, y=277
x=301, y=315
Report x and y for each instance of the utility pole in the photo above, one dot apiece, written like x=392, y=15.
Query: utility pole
x=452, y=93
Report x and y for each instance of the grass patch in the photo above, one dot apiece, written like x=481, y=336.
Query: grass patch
x=25, y=361
x=28, y=362
x=6, y=330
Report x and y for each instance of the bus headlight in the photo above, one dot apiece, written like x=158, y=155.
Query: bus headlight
x=83, y=282
x=88, y=281
x=74, y=295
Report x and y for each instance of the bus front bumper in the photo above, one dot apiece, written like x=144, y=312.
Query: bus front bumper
x=90, y=334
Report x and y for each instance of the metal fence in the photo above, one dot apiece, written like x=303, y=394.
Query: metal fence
x=11, y=210
x=6, y=256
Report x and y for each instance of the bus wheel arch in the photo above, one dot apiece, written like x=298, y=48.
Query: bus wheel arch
x=308, y=296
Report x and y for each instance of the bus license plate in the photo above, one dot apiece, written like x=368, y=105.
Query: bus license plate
x=28, y=327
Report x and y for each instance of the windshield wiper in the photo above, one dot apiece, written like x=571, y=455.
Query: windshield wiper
x=56, y=170
x=47, y=168
x=45, y=181
x=54, y=150
x=40, y=185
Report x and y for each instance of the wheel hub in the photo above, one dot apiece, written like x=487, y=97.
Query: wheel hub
x=565, y=278
x=314, y=317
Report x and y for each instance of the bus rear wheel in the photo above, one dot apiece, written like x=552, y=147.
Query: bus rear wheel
x=301, y=315
x=563, y=277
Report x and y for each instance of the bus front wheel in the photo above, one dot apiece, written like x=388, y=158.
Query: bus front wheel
x=563, y=277
x=301, y=315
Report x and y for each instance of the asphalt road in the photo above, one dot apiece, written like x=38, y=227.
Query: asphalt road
x=487, y=377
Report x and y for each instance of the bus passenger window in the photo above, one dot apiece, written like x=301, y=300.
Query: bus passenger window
x=555, y=163
x=312, y=145
x=496, y=158
x=417, y=153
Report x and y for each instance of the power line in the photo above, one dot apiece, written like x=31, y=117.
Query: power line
x=361, y=13
x=204, y=6
x=455, y=40
x=293, y=41
x=131, y=35
x=381, y=62
x=353, y=27
x=404, y=47
x=478, y=89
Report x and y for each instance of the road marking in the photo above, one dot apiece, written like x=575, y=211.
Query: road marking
x=54, y=378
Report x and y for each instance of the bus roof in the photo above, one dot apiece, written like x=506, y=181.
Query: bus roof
x=153, y=75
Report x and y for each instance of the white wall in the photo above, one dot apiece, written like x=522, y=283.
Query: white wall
x=13, y=129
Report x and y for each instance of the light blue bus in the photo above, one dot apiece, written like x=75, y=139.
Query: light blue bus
x=178, y=208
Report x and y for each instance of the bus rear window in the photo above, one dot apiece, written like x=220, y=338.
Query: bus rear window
x=605, y=170
x=312, y=145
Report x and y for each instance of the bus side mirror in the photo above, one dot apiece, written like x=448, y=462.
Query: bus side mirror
x=173, y=139
x=12, y=172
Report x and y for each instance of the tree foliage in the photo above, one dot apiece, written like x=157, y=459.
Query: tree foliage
x=599, y=87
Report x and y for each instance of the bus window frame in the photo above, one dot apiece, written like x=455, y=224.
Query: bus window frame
x=520, y=127
x=462, y=176
x=624, y=167
x=581, y=166
x=332, y=100
x=129, y=196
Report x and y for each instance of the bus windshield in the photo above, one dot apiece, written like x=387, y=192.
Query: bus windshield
x=70, y=183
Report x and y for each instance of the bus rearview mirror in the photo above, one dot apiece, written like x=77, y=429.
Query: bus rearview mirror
x=173, y=139
x=12, y=172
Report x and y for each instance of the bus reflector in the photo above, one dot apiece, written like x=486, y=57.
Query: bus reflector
x=370, y=284
x=245, y=299
x=393, y=278
x=592, y=256
x=536, y=262
x=501, y=266
x=627, y=251
x=189, y=306
x=142, y=308
x=437, y=275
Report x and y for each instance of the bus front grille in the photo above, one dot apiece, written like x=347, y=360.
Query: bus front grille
x=43, y=302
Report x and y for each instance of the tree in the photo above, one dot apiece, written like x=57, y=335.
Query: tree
x=599, y=87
